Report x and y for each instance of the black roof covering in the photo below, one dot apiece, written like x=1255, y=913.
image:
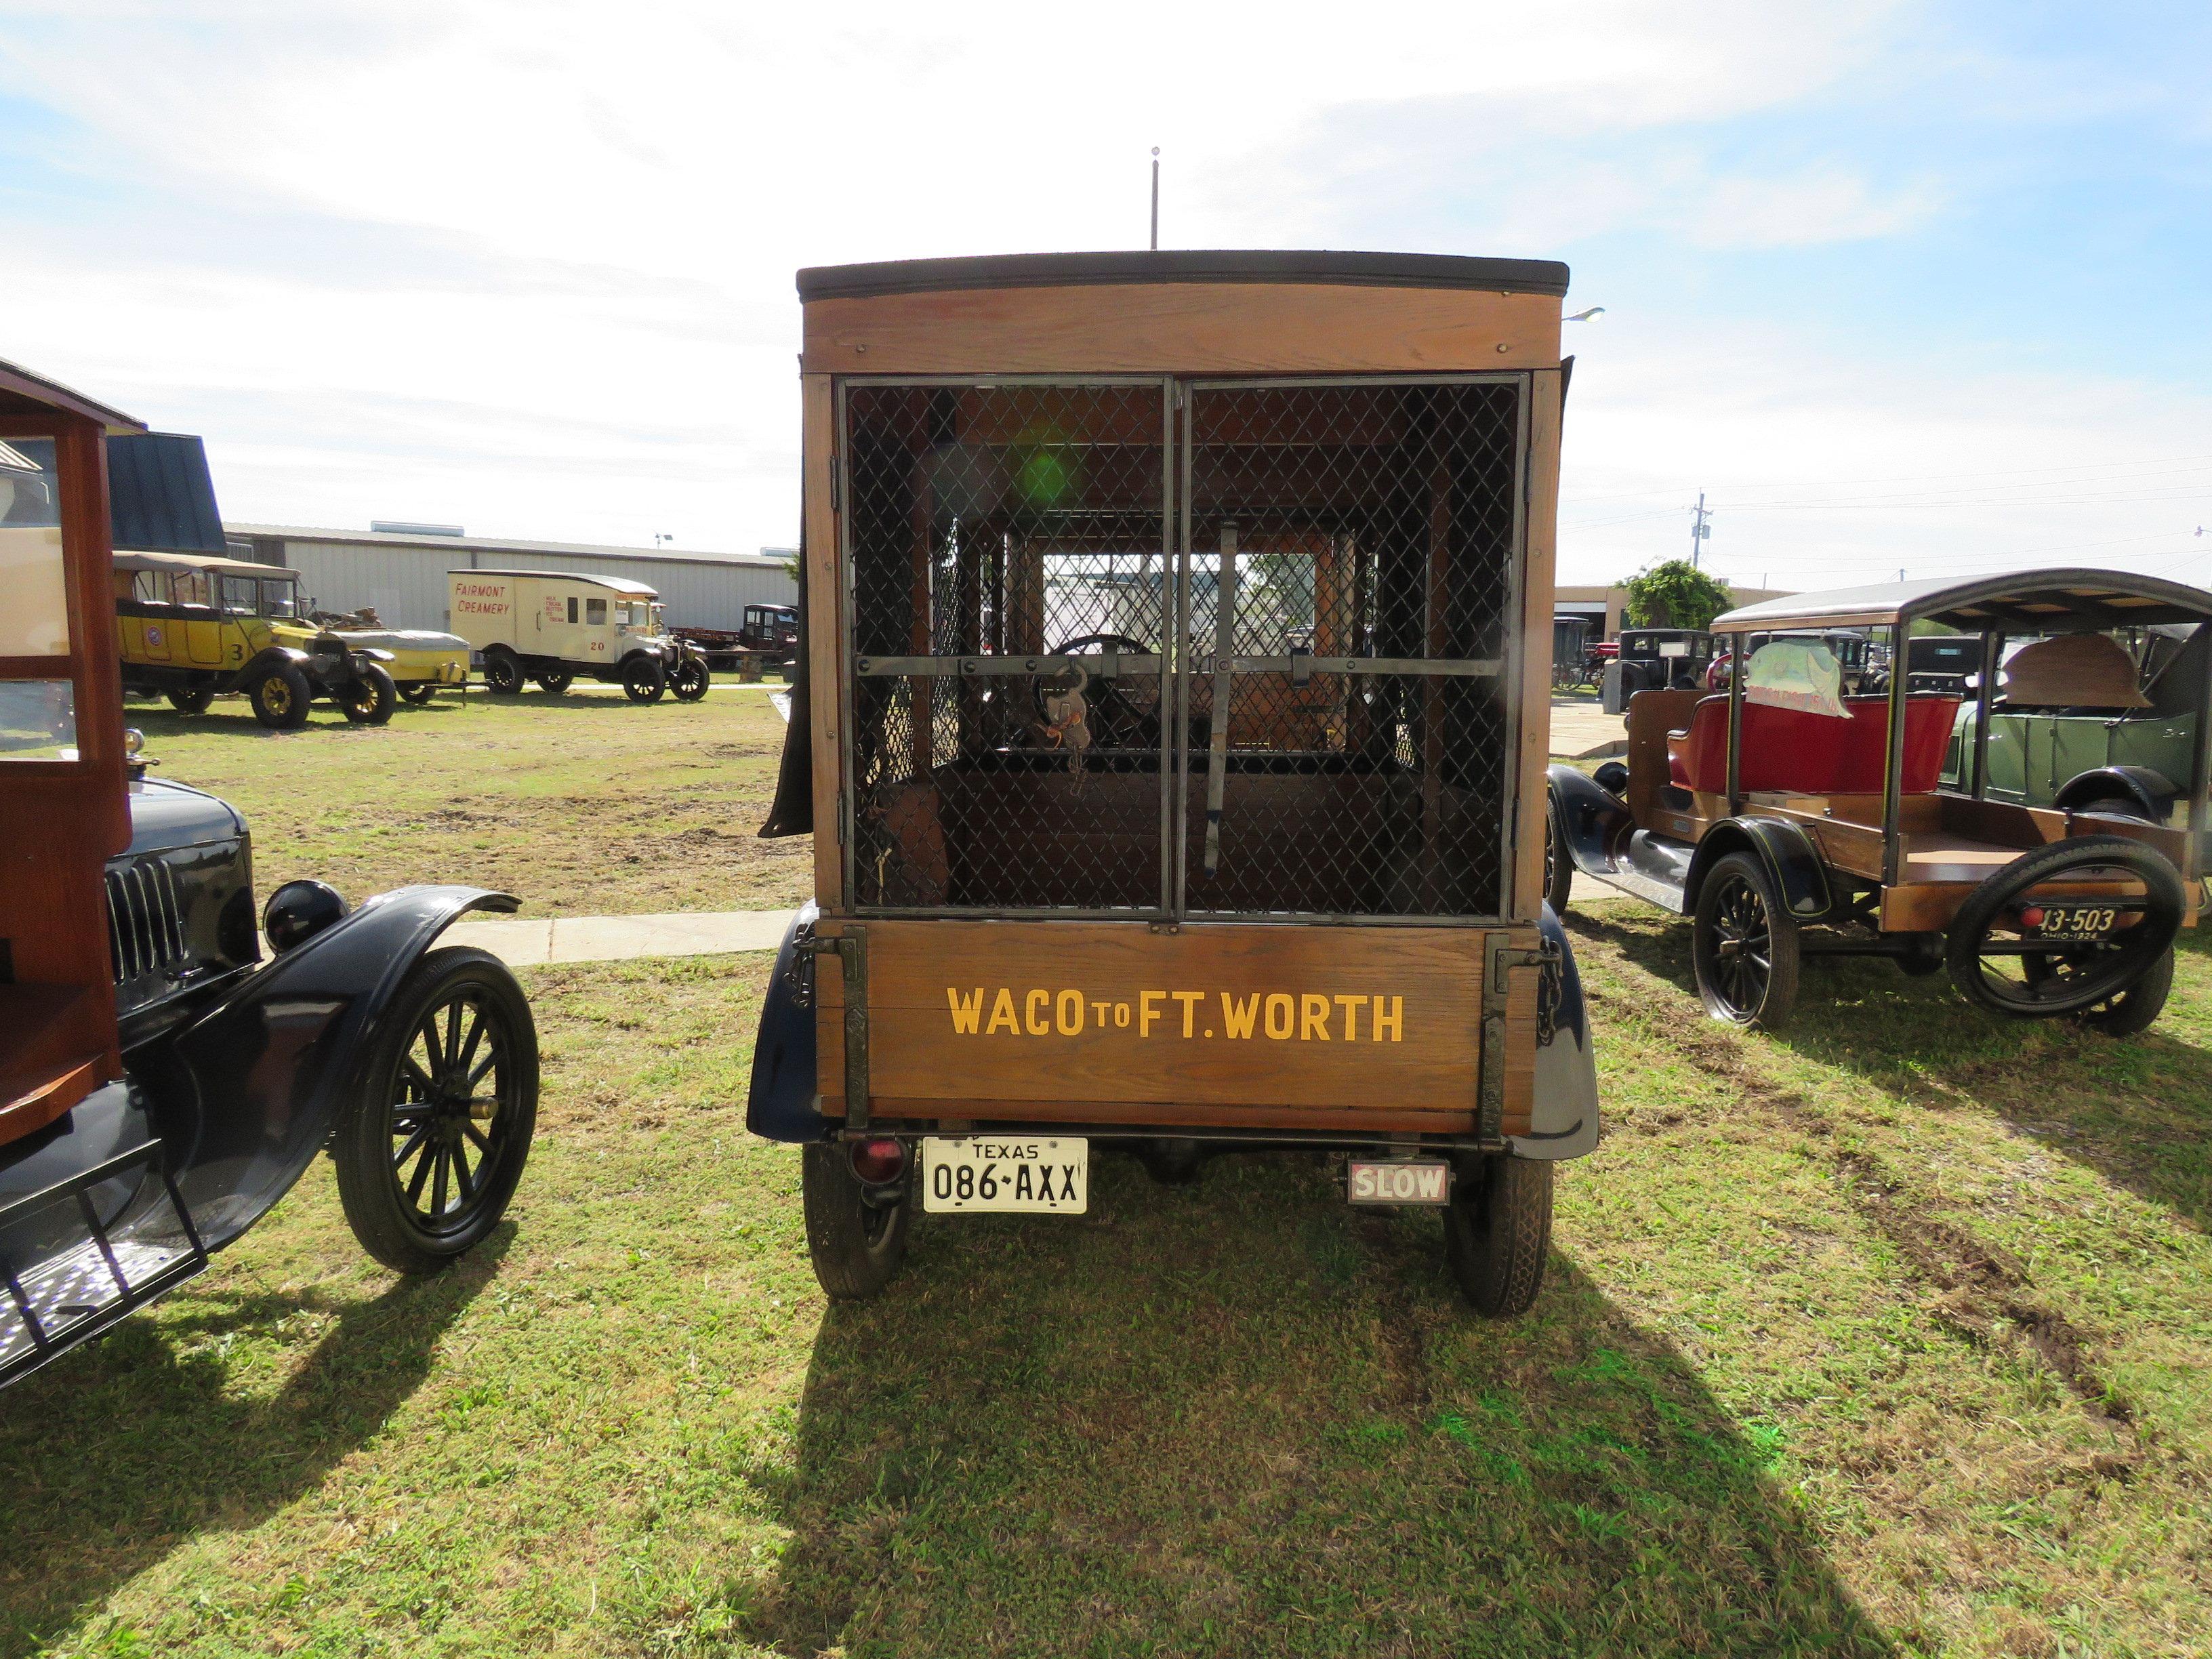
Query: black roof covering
x=1182, y=265
x=160, y=495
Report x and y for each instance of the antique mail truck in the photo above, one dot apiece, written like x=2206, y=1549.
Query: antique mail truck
x=1172, y=729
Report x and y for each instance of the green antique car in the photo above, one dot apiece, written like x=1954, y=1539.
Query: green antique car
x=2085, y=736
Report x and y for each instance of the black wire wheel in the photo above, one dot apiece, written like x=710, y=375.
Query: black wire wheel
x=429, y=1152
x=370, y=696
x=1559, y=864
x=556, y=681
x=194, y=701
x=1743, y=945
x=644, y=679
x=2081, y=952
x=1497, y=1231
x=688, y=680
x=502, y=673
x=418, y=692
x=856, y=1233
x=280, y=698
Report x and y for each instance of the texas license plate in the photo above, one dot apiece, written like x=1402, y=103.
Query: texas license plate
x=1037, y=1174
x=1398, y=1181
x=2078, y=922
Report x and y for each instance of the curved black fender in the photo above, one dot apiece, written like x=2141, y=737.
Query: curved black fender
x=1591, y=817
x=783, y=1103
x=1791, y=860
x=1563, y=1119
x=247, y=1094
x=2149, y=790
x=267, y=661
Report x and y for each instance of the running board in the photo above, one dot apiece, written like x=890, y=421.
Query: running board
x=101, y=1271
x=1667, y=896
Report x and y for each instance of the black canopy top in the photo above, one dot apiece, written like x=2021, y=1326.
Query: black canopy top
x=1182, y=265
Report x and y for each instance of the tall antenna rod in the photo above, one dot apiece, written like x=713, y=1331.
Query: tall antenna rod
x=1156, y=195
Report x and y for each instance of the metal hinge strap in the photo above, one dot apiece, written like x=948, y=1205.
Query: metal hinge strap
x=836, y=488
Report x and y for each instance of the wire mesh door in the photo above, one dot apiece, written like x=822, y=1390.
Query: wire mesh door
x=1009, y=559
x=1349, y=571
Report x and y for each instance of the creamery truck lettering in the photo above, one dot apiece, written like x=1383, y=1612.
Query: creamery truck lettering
x=1284, y=1016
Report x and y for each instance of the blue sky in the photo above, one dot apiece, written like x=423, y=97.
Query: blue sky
x=1899, y=286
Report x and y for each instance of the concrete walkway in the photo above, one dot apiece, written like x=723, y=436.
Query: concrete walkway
x=531, y=942
x=1584, y=730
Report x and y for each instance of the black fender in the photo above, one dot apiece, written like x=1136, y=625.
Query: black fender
x=1791, y=860
x=1591, y=817
x=368, y=654
x=785, y=1100
x=246, y=1095
x=1563, y=1121
x=267, y=660
x=2151, y=791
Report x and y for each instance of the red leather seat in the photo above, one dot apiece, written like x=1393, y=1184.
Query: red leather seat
x=1792, y=750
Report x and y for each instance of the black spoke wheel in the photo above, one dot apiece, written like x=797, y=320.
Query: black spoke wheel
x=418, y=692
x=1559, y=864
x=194, y=701
x=644, y=679
x=856, y=1233
x=503, y=673
x=1743, y=945
x=688, y=680
x=557, y=682
x=1999, y=959
x=369, y=698
x=280, y=698
x=429, y=1153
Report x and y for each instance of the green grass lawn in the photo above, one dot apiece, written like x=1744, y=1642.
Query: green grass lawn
x=1894, y=1337
x=580, y=804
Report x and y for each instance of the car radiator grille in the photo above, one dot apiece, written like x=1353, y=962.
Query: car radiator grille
x=145, y=920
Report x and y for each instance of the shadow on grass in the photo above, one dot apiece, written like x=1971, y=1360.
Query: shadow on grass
x=117, y=1454
x=1244, y=1419
x=2138, y=1110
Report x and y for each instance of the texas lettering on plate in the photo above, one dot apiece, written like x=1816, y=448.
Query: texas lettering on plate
x=1037, y=1174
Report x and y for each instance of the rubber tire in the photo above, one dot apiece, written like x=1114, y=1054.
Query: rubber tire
x=849, y=1265
x=194, y=701
x=690, y=680
x=360, y=1145
x=1780, y=1000
x=1497, y=1232
x=1558, y=865
x=644, y=679
x=502, y=673
x=415, y=693
x=1928, y=960
x=294, y=715
x=555, y=683
x=1171, y=1160
x=2132, y=1012
x=381, y=697
x=2022, y=874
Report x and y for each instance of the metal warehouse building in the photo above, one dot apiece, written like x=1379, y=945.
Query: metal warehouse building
x=403, y=576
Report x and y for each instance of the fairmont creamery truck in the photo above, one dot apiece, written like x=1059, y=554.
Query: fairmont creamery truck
x=551, y=625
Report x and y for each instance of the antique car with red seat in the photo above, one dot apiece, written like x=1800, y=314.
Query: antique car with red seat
x=1790, y=817
x=163, y=1082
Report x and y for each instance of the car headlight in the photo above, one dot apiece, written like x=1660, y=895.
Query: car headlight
x=299, y=910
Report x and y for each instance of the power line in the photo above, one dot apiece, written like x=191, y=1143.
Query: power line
x=2177, y=463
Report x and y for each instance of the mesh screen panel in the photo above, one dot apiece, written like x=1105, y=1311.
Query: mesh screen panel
x=1032, y=731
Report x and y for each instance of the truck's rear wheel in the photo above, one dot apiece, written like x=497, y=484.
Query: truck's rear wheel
x=418, y=692
x=1498, y=1230
x=855, y=1240
x=559, y=680
x=194, y=701
x=502, y=673
x=280, y=698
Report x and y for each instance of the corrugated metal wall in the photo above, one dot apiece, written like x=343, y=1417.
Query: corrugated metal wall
x=406, y=583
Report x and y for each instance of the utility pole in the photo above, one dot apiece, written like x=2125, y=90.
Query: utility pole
x=1156, y=197
x=1700, y=532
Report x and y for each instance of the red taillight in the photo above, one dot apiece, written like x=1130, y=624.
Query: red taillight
x=2032, y=916
x=878, y=1162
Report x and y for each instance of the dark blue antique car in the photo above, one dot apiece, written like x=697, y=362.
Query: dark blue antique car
x=163, y=1082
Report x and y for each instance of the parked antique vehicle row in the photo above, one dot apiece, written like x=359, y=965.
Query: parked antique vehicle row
x=162, y=1086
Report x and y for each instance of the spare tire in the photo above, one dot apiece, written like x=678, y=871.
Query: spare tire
x=2067, y=976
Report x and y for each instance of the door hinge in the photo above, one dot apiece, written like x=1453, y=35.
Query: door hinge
x=1550, y=963
x=837, y=487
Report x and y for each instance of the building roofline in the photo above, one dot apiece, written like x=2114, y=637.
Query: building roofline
x=449, y=545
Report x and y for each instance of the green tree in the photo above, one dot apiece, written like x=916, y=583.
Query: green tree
x=1676, y=594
